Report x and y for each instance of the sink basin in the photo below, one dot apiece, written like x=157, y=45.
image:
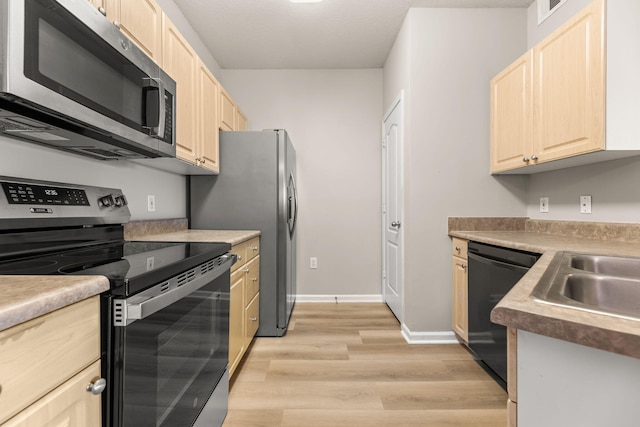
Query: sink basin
x=616, y=294
x=601, y=284
x=614, y=266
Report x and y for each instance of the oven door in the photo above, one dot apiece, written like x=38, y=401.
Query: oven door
x=70, y=61
x=167, y=364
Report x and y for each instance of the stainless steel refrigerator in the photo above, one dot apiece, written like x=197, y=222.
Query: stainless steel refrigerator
x=256, y=190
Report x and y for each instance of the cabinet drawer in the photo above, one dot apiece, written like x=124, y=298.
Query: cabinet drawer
x=252, y=318
x=459, y=247
x=252, y=284
x=68, y=405
x=39, y=355
x=253, y=247
x=240, y=250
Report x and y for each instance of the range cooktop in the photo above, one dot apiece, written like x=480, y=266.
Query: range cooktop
x=129, y=266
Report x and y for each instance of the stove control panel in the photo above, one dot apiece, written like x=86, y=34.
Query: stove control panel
x=22, y=194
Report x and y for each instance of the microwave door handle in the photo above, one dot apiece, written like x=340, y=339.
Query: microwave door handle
x=162, y=111
x=158, y=86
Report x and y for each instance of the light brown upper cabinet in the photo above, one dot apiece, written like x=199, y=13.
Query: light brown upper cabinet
x=569, y=85
x=180, y=61
x=228, y=111
x=511, y=114
x=548, y=107
x=140, y=20
x=208, y=94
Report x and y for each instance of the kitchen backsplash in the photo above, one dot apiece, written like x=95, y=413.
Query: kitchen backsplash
x=624, y=232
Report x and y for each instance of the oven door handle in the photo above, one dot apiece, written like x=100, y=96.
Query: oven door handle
x=154, y=299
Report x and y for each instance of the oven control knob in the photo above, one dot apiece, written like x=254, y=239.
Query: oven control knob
x=97, y=386
x=106, y=201
x=121, y=201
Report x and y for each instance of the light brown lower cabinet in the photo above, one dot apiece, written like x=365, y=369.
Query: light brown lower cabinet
x=46, y=365
x=460, y=289
x=244, y=310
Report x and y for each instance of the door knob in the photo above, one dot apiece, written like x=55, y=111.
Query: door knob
x=395, y=224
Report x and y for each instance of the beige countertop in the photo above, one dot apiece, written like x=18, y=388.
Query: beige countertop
x=228, y=236
x=518, y=310
x=23, y=298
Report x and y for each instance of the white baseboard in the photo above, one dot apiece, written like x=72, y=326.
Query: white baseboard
x=339, y=298
x=436, y=337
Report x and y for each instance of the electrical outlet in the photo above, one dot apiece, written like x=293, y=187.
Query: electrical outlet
x=151, y=203
x=313, y=262
x=585, y=204
x=544, y=204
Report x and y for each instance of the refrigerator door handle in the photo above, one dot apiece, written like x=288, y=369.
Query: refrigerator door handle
x=292, y=211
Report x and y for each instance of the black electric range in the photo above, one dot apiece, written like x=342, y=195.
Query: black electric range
x=165, y=319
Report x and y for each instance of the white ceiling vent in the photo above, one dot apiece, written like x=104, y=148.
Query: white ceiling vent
x=547, y=7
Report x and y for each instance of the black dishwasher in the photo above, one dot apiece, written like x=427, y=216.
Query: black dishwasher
x=493, y=271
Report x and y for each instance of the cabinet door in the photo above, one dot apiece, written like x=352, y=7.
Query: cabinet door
x=69, y=405
x=180, y=62
x=227, y=111
x=569, y=87
x=38, y=355
x=252, y=284
x=208, y=102
x=141, y=21
x=460, y=298
x=511, y=115
x=252, y=320
x=236, y=320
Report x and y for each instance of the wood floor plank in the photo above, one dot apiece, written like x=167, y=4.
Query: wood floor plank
x=274, y=350
x=326, y=395
x=377, y=418
x=408, y=352
x=442, y=395
x=374, y=370
x=254, y=418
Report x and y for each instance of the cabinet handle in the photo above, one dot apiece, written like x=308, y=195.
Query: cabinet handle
x=254, y=319
x=203, y=160
x=255, y=248
x=102, y=10
x=457, y=248
x=117, y=24
x=462, y=266
x=255, y=279
x=534, y=157
x=96, y=387
x=525, y=159
x=239, y=257
x=246, y=270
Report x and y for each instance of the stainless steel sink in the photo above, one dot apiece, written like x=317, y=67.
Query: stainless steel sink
x=594, y=283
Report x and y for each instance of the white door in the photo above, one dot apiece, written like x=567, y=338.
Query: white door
x=392, y=209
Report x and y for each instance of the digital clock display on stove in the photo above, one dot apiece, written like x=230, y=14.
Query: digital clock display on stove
x=27, y=194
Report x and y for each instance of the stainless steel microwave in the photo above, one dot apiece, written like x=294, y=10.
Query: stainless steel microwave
x=69, y=79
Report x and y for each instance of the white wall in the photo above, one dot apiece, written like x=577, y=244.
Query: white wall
x=27, y=160
x=452, y=54
x=334, y=120
x=612, y=184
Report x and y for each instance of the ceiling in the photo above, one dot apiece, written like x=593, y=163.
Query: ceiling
x=278, y=34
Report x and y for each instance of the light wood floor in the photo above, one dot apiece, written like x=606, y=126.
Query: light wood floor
x=348, y=365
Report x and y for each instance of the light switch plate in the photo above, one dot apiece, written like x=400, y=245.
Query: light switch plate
x=585, y=204
x=544, y=204
x=313, y=262
x=151, y=203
